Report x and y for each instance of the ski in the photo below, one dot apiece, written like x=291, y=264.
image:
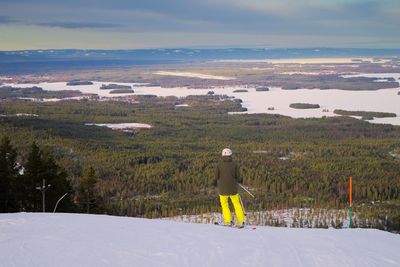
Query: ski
x=249, y=227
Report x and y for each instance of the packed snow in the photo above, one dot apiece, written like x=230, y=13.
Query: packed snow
x=47, y=240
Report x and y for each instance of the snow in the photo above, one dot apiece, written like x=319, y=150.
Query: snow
x=26, y=115
x=47, y=240
x=182, y=105
x=311, y=73
x=385, y=100
x=19, y=115
x=54, y=99
x=122, y=126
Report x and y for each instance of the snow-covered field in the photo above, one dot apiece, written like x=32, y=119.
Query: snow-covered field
x=54, y=99
x=47, y=240
x=385, y=100
x=122, y=126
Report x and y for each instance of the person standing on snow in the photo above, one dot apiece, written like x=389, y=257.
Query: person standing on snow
x=227, y=177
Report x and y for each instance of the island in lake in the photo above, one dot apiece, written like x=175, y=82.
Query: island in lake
x=262, y=89
x=365, y=115
x=122, y=91
x=304, y=106
x=114, y=86
x=78, y=82
x=35, y=92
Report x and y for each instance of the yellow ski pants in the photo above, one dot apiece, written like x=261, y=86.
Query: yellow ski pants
x=237, y=204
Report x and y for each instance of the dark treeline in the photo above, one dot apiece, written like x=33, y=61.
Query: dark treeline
x=168, y=169
x=20, y=183
x=10, y=92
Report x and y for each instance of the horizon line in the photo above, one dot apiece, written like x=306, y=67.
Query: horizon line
x=203, y=48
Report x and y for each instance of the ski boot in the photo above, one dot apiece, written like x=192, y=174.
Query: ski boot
x=240, y=225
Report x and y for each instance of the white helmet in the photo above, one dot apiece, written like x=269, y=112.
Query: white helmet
x=226, y=152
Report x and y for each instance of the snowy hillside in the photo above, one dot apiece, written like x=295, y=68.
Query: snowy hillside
x=47, y=240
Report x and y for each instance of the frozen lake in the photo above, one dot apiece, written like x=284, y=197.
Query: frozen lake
x=385, y=100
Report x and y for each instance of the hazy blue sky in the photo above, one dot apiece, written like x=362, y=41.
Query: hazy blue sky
x=108, y=24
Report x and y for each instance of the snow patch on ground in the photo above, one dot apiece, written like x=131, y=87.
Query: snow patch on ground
x=311, y=73
x=19, y=115
x=42, y=100
x=122, y=126
x=182, y=105
x=26, y=115
x=47, y=240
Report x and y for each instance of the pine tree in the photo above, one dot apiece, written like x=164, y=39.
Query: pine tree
x=87, y=196
x=31, y=199
x=40, y=166
x=57, y=177
x=9, y=172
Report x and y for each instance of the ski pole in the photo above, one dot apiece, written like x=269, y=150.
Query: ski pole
x=59, y=201
x=245, y=189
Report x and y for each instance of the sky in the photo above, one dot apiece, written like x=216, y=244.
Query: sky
x=130, y=24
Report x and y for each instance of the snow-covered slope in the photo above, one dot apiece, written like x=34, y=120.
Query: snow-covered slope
x=47, y=240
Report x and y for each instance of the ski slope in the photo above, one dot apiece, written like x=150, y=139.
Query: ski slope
x=48, y=240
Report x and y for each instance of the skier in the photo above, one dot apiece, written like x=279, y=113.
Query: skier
x=227, y=177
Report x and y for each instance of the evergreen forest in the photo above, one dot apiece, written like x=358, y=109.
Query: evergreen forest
x=168, y=170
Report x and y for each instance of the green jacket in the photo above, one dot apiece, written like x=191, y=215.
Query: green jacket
x=227, y=176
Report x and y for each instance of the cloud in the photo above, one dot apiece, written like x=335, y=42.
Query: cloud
x=234, y=16
x=79, y=25
x=158, y=18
